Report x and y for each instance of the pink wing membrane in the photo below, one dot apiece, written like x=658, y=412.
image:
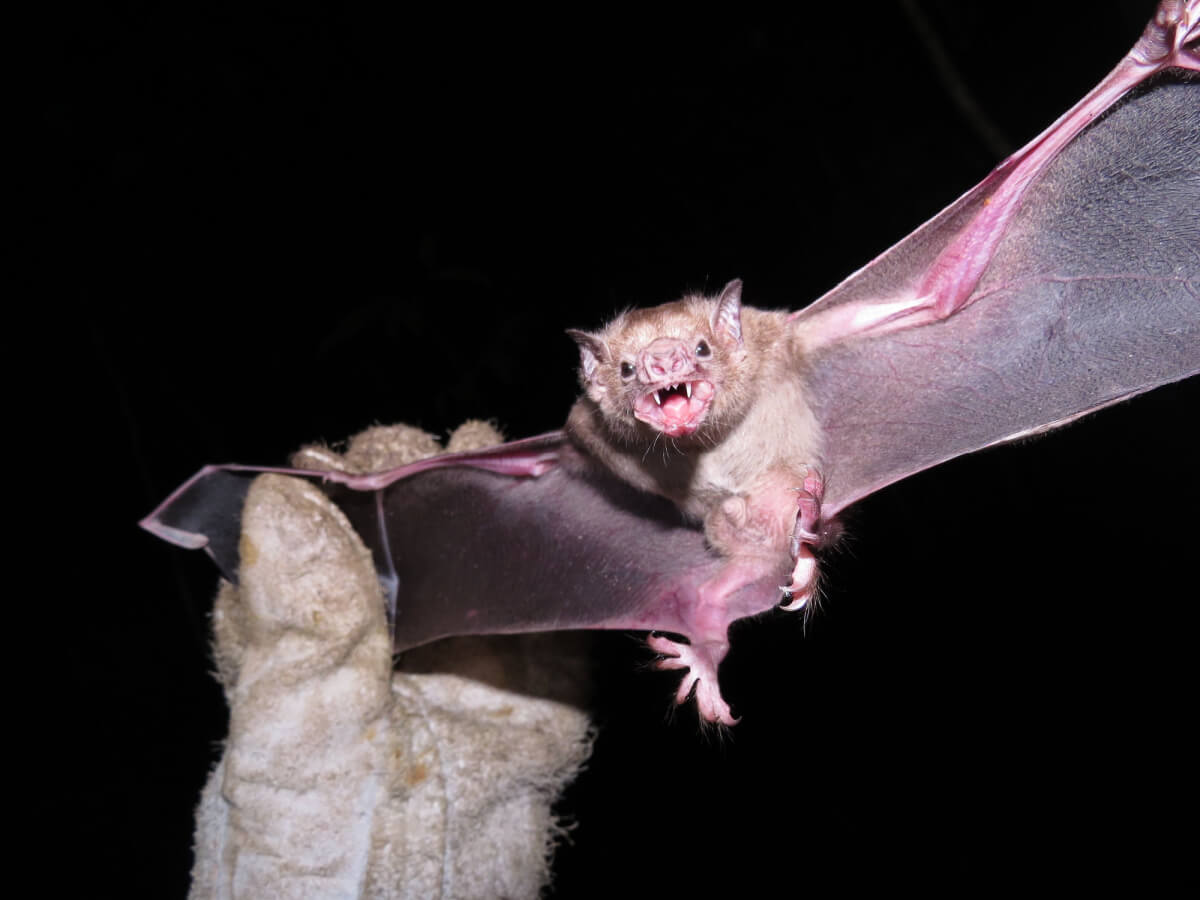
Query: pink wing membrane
x=1066, y=281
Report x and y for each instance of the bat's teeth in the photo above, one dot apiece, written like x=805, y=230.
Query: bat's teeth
x=657, y=399
x=688, y=388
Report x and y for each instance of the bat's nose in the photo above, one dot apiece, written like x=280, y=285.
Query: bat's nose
x=665, y=358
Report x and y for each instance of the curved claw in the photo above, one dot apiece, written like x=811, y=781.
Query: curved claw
x=804, y=576
x=805, y=533
x=792, y=602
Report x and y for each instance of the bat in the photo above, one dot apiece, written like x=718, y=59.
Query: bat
x=1020, y=307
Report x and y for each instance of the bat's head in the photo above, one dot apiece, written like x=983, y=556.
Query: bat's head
x=666, y=366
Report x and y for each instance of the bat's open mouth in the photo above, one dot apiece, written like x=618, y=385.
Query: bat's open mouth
x=675, y=409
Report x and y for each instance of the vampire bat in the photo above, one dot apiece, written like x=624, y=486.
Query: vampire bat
x=1065, y=282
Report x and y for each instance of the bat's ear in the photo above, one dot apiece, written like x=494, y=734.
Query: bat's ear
x=727, y=319
x=592, y=352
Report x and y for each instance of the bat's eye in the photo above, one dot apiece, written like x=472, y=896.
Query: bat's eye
x=626, y=370
x=702, y=350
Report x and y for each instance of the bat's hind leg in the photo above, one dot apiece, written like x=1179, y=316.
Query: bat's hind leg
x=805, y=534
x=753, y=532
x=719, y=601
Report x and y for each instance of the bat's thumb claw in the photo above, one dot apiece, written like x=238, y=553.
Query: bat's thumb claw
x=790, y=602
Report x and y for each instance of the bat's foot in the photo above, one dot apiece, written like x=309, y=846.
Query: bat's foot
x=700, y=679
x=805, y=534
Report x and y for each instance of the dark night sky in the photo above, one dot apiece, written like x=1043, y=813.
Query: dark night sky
x=284, y=223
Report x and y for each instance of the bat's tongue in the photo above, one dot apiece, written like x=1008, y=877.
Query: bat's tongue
x=678, y=410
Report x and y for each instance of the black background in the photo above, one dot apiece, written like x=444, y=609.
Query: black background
x=281, y=223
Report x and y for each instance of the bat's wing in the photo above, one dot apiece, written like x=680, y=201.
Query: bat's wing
x=1068, y=280
x=205, y=512
x=529, y=536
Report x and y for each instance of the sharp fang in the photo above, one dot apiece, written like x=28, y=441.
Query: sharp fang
x=657, y=399
x=688, y=387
